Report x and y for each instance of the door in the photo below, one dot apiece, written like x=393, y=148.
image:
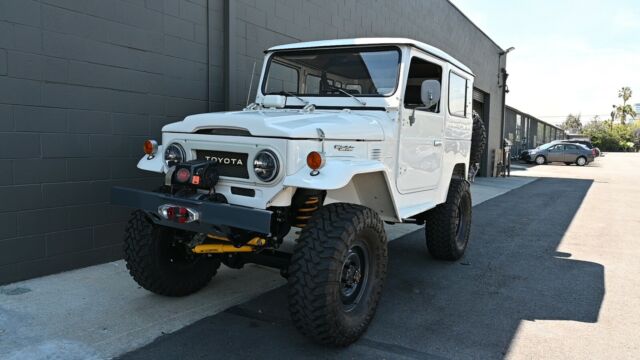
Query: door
x=556, y=153
x=571, y=153
x=422, y=131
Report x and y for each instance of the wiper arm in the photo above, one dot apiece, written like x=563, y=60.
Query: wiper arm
x=284, y=92
x=349, y=94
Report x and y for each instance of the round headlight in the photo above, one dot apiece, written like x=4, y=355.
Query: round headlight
x=174, y=154
x=265, y=165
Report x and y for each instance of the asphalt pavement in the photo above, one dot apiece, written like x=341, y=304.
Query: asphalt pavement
x=512, y=276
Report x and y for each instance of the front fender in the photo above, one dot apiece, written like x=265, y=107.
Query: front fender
x=335, y=174
x=155, y=164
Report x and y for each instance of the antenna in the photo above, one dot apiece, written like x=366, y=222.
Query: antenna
x=251, y=83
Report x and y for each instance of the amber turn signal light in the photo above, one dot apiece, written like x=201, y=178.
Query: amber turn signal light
x=150, y=147
x=315, y=160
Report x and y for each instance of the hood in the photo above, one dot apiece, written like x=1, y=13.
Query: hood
x=338, y=125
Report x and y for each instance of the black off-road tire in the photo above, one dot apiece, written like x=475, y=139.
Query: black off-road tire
x=448, y=225
x=318, y=301
x=478, y=139
x=159, y=264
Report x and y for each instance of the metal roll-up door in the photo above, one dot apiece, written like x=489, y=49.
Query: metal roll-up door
x=478, y=95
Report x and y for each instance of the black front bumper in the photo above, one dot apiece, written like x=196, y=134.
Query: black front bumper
x=214, y=217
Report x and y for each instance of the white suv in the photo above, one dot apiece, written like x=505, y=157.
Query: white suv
x=344, y=135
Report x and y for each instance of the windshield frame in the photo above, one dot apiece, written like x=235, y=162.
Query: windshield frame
x=263, y=82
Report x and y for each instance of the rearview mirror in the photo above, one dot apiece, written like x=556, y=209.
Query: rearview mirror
x=430, y=92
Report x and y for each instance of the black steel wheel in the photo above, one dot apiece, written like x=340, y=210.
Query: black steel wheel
x=336, y=274
x=159, y=261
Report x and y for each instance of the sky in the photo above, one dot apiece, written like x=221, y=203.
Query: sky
x=571, y=56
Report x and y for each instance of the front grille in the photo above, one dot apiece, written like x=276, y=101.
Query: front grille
x=229, y=164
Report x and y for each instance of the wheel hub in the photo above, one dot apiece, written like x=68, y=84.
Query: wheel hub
x=353, y=277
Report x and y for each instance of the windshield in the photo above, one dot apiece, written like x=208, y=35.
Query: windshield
x=333, y=72
x=545, y=146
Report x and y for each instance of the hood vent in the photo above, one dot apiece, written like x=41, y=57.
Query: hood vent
x=224, y=131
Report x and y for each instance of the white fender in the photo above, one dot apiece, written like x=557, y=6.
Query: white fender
x=155, y=164
x=335, y=174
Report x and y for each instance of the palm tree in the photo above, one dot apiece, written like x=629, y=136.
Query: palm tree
x=625, y=110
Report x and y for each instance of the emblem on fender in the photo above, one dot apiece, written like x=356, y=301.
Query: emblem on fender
x=343, y=147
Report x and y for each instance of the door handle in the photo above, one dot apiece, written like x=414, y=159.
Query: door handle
x=437, y=143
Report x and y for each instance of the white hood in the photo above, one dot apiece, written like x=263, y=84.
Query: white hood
x=338, y=125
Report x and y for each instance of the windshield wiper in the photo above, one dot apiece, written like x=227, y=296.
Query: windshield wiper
x=349, y=94
x=284, y=92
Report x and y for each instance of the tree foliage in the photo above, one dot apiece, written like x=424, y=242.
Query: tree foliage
x=625, y=110
x=608, y=137
x=572, y=124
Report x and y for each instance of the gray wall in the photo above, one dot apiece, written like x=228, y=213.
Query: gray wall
x=533, y=138
x=84, y=82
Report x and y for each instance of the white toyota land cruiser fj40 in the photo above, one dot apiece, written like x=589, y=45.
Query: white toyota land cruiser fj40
x=344, y=135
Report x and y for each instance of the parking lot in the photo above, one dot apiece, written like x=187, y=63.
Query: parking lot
x=551, y=273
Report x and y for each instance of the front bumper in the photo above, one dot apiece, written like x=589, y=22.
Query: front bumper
x=213, y=217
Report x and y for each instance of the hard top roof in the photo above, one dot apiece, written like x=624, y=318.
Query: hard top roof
x=374, y=41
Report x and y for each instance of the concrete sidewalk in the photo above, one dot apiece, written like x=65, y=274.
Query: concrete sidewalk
x=100, y=312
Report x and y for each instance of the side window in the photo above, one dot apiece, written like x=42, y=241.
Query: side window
x=457, y=95
x=281, y=78
x=571, y=147
x=420, y=70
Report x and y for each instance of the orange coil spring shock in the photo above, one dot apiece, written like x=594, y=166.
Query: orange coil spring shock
x=304, y=212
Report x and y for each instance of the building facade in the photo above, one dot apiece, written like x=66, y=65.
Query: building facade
x=525, y=131
x=83, y=83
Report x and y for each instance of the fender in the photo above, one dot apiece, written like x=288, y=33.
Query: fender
x=155, y=164
x=336, y=174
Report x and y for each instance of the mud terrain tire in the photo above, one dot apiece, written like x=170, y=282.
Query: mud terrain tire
x=478, y=139
x=160, y=264
x=337, y=273
x=448, y=225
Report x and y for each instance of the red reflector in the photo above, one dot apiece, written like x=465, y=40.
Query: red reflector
x=183, y=175
x=171, y=213
x=195, y=180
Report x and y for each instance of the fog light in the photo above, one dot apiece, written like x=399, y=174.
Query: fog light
x=183, y=175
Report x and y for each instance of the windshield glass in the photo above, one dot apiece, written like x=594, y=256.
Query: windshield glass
x=332, y=72
x=545, y=146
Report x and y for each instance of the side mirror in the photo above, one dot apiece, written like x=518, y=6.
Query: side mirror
x=430, y=92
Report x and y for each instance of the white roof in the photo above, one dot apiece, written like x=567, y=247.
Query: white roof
x=375, y=41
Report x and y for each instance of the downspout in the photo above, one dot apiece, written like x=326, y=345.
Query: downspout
x=505, y=75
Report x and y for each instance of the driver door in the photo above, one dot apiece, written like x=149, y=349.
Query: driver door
x=422, y=130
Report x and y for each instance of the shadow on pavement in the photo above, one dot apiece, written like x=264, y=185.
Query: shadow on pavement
x=431, y=309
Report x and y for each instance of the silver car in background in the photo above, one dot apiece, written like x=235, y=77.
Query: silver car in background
x=554, y=152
